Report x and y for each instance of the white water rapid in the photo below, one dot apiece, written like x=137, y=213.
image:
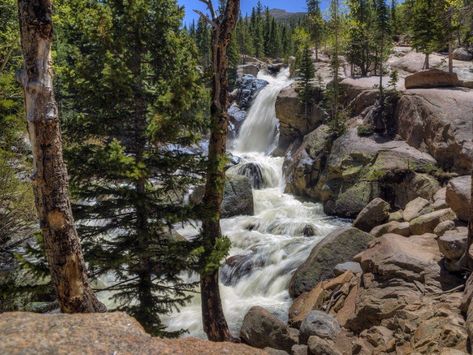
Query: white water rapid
x=266, y=247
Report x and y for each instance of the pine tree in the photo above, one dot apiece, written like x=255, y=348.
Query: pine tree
x=361, y=45
x=132, y=99
x=427, y=26
x=305, y=76
x=202, y=38
x=316, y=24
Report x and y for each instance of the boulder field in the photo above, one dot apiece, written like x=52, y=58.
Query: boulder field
x=396, y=281
x=390, y=290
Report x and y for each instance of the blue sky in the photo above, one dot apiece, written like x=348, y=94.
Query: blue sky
x=246, y=5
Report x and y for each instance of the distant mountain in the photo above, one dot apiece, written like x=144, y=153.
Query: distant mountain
x=285, y=16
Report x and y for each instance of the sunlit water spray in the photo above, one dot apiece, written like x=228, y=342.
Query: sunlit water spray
x=270, y=245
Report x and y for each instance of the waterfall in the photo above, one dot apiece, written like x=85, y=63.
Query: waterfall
x=259, y=131
x=269, y=246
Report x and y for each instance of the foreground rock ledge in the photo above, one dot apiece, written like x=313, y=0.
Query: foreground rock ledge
x=105, y=333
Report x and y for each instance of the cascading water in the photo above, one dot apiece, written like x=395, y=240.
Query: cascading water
x=266, y=247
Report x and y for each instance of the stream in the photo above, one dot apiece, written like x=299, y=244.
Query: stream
x=266, y=247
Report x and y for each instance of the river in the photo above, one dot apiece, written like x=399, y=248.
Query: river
x=271, y=243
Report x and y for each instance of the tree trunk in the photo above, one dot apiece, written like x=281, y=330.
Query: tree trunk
x=215, y=325
x=50, y=179
x=450, y=57
x=427, y=61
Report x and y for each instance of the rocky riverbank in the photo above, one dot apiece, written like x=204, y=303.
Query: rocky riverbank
x=396, y=281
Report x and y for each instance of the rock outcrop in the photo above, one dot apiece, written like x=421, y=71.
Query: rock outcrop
x=357, y=170
x=99, y=333
x=438, y=122
x=294, y=123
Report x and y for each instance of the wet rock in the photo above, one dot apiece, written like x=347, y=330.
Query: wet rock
x=237, y=198
x=339, y=246
x=453, y=244
x=99, y=333
x=303, y=167
x=248, y=88
x=319, y=324
x=253, y=172
x=400, y=228
x=261, y=329
x=275, y=68
x=462, y=54
x=414, y=208
x=236, y=117
x=444, y=227
x=238, y=266
x=375, y=213
x=348, y=266
x=320, y=346
x=431, y=78
x=428, y=222
x=458, y=196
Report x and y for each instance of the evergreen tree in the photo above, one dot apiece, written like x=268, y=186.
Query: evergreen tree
x=131, y=98
x=336, y=120
x=257, y=30
x=361, y=45
x=316, y=24
x=427, y=25
x=305, y=77
x=202, y=38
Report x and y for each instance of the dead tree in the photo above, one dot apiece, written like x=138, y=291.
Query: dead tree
x=50, y=180
x=223, y=23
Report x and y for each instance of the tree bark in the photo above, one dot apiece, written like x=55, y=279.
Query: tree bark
x=215, y=325
x=50, y=179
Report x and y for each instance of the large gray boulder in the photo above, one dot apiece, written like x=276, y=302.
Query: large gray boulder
x=338, y=247
x=375, y=213
x=462, y=54
x=237, y=198
x=319, y=324
x=261, y=329
x=431, y=78
x=459, y=196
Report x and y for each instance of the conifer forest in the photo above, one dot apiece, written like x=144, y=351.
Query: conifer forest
x=236, y=177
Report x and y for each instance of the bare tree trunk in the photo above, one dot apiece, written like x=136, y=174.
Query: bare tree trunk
x=215, y=325
x=427, y=61
x=50, y=180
